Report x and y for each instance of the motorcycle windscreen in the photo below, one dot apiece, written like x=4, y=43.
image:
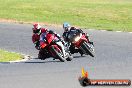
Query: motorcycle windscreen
x=72, y=36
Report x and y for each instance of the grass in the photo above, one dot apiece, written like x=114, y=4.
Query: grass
x=9, y=56
x=97, y=14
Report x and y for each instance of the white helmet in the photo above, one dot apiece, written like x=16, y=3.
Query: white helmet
x=36, y=28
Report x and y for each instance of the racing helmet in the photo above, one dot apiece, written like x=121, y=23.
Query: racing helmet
x=36, y=28
x=66, y=26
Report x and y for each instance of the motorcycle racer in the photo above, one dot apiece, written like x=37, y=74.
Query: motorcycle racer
x=67, y=29
x=37, y=31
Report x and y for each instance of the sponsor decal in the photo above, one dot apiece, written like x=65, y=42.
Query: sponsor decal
x=86, y=81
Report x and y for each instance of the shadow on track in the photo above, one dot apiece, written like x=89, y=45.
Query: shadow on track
x=78, y=56
x=36, y=60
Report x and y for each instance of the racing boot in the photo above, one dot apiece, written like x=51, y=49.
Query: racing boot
x=43, y=54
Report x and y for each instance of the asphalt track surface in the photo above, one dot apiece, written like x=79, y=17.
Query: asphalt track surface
x=113, y=60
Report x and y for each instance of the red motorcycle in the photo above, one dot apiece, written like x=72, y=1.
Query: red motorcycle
x=52, y=46
x=80, y=41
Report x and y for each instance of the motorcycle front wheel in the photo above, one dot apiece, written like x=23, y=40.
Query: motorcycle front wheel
x=59, y=54
x=69, y=57
x=88, y=48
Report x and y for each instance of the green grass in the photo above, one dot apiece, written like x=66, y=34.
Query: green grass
x=97, y=14
x=9, y=56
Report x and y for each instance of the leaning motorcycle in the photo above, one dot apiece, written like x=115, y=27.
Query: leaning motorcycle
x=52, y=48
x=80, y=41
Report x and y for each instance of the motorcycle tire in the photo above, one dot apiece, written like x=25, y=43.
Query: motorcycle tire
x=87, y=48
x=59, y=55
x=69, y=58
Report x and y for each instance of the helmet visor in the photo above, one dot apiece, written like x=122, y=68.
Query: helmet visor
x=66, y=28
x=36, y=31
